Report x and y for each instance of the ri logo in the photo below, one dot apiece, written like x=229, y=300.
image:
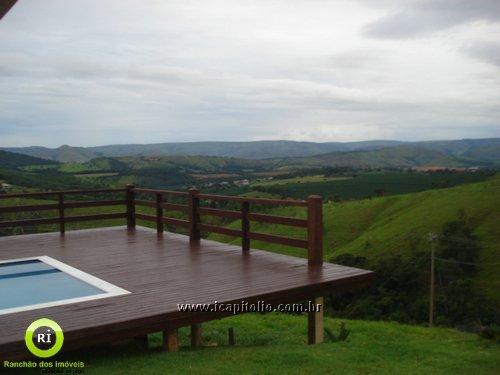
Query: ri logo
x=44, y=338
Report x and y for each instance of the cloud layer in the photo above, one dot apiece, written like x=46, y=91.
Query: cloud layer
x=93, y=72
x=420, y=18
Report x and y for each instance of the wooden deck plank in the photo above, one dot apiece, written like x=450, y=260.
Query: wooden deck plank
x=161, y=271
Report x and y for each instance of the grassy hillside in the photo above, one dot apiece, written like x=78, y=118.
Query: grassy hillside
x=10, y=160
x=276, y=343
x=31, y=172
x=377, y=227
x=62, y=154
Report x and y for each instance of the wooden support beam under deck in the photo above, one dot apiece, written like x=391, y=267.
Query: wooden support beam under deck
x=196, y=335
x=315, y=323
x=171, y=340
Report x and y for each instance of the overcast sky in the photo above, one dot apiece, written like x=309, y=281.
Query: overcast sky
x=120, y=71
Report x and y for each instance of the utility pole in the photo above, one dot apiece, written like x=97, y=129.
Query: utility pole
x=432, y=242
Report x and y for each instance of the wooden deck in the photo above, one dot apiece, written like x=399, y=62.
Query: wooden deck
x=161, y=271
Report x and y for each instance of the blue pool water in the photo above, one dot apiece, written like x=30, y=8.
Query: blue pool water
x=31, y=282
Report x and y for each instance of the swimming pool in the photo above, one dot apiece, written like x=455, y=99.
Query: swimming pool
x=33, y=283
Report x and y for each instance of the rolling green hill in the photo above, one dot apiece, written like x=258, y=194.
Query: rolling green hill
x=167, y=172
x=30, y=172
x=10, y=160
x=62, y=154
x=177, y=164
x=380, y=227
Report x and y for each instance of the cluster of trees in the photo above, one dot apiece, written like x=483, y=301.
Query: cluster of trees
x=401, y=288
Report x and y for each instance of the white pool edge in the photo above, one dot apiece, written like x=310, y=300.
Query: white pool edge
x=109, y=289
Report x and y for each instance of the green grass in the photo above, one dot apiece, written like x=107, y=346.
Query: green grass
x=276, y=343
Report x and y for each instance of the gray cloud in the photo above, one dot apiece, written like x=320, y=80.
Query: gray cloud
x=357, y=59
x=486, y=51
x=425, y=17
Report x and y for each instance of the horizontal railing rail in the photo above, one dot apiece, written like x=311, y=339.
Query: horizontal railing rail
x=164, y=192
x=313, y=224
x=61, y=207
x=263, y=201
x=64, y=192
x=195, y=212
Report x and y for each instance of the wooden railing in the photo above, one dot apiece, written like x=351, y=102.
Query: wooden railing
x=60, y=206
x=168, y=200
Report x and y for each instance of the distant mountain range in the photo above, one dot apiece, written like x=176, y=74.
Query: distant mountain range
x=246, y=150
x=402, y=156
x=453, y=152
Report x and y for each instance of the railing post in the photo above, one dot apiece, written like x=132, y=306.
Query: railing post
x=315, y=230
x=159, y=213
x=130, y=206
x=194, y=215
x=62, y=224
x=315, y=321
x=245, y=226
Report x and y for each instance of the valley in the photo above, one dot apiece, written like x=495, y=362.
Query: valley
x=379, y=209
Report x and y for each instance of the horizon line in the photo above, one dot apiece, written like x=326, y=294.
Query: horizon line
x=251, y=141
